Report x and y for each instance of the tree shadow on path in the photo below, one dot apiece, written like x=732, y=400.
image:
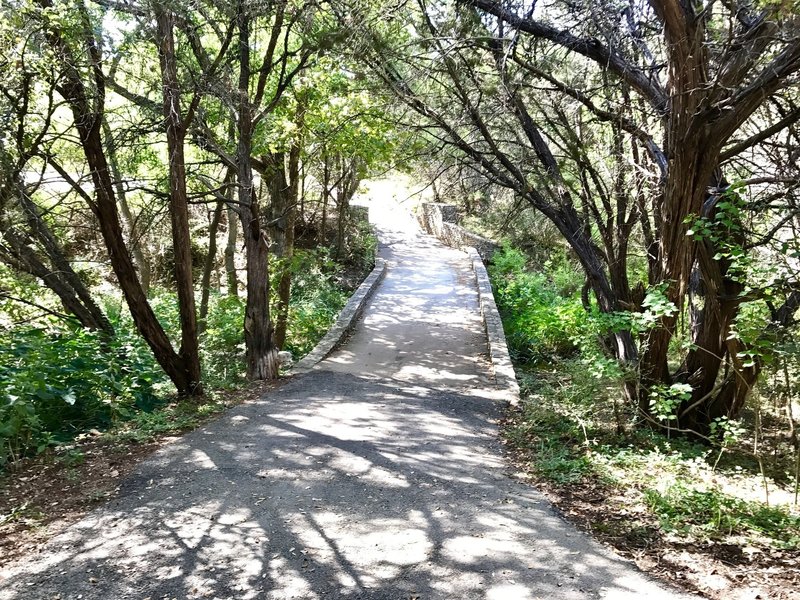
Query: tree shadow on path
x=337, y=486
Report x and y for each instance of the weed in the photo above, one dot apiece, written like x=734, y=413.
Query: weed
x=174, y=418
x=22, y=513
x=711, y=513
x=71, y=458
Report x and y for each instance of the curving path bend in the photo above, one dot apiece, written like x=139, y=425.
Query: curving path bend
x=378, y=475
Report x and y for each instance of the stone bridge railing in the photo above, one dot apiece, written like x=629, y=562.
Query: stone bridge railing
x=441, y=221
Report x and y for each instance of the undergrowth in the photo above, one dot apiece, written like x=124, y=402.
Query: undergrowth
x=574, y=431
x=58, y=380
x=674, y=481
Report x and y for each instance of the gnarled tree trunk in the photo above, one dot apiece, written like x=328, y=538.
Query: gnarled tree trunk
x=189, y=351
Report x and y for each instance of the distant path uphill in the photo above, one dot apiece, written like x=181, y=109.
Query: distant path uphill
x=376, y=475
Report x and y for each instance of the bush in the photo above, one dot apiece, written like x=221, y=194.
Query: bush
x=315, y=301
x=314, y=304
x=222, y=348
x=363, y=245
x=56, y=382
x=540, y=322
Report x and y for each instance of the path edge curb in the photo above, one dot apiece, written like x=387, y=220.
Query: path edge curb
x=344, y=322
x=504, y=375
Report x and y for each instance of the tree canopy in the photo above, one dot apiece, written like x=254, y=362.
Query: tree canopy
x=659, y=139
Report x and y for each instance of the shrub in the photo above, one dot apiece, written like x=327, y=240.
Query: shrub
x=313, y=306
x=315, y=301
x=222, y=348
x=58, y=381
x=540, y=322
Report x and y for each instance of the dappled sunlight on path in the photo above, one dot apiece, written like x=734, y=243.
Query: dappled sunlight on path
x=424, y=323
x=376, y=475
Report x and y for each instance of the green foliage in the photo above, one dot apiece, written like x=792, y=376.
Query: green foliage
x=709, y=513
x=665, y=400
x=314, y=304
x=656, y=305
x=363, y=245
x=553, y=438
x=724, y=231
x=540, y=322
x=552, y=426
x=566, y=436
x=58, y=381
x=222, y=348
x=561, y=466
x=315, y=301
x=574, y=430
x=750, y=325
x=344, y=116
x=165, y=305
x=507, y=262
x=174, y=418
x=727, y=231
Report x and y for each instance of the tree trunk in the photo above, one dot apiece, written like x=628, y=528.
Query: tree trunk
x=692, y=162
x=179, y=204
x=21, y=257
x=262, y=355
x=714, y=300
x=230, y=245
x=208, y=267
x=134, y=234
x=87, y=121
x=326, y=180
x=301, y=210
x=285, y=282
x=345, y=189
x=62, y=276
x=277, y=187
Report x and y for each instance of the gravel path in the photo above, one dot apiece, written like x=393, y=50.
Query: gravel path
x=378, y=475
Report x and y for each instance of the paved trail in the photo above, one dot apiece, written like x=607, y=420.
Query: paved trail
x=376, y=476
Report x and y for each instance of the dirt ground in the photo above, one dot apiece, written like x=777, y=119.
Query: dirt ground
x=713, y=570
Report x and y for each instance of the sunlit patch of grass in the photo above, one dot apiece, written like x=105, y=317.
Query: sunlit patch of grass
x=709, y=513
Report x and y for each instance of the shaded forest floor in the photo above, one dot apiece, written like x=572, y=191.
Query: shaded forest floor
x=716, y=565
x=42, y=495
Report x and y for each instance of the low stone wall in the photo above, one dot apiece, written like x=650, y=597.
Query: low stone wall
x=441, y=221
x=504, y=376
x=346, y=320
